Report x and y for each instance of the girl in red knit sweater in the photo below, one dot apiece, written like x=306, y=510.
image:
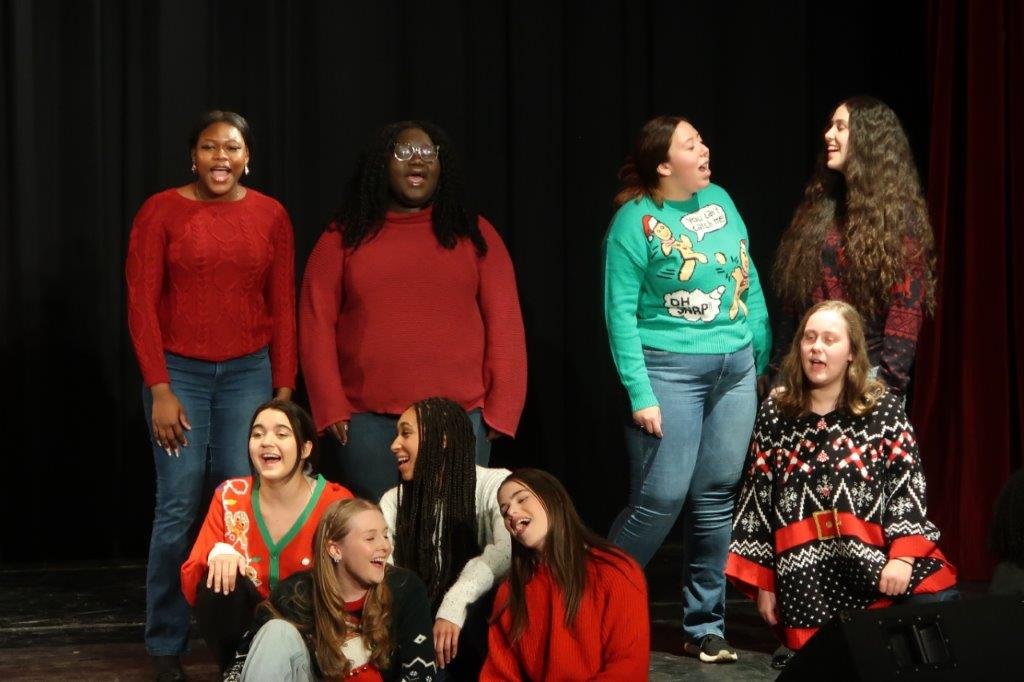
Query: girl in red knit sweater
x=574, y=606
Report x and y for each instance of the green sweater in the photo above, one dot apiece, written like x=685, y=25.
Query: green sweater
x=672, y=275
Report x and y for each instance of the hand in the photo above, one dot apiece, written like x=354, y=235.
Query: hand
x=767, y=607
x=446, y=641
x=895, y=577
x=492, y=434
x=340, y=431
x=282, y=393
x=220, y=576
x=777, y=391
x=169, y=420
x=763, y=385
x=649, y=419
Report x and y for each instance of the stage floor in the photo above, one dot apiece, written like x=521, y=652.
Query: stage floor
x=85, y=621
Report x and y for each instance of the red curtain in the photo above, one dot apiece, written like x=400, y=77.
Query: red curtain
x=967, y=403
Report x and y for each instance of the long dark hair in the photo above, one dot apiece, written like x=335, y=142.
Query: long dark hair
x=639, y=174
x=366, y=196
x=566, y=551
x=302, y=428
x=877, y=206
x=435, y=529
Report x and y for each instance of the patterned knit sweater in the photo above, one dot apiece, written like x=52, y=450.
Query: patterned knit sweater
x=211, y=281
x=826, y=502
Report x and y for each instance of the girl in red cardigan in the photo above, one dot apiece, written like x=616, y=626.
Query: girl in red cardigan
x=259, y=529
x=574, y=606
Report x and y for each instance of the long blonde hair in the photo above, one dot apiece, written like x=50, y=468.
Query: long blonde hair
x=332, y=627
x=860, y=392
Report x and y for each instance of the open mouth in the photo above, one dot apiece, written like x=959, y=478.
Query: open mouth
x=817, y=364
x=220, y=173
x=520, y=525
x=379, y=562
x=270, y=457
x=705, y=167
x=415, y=179
x=402, y=459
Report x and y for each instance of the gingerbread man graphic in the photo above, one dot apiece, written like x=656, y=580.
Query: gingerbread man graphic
x=655, y=228
x=741, y=275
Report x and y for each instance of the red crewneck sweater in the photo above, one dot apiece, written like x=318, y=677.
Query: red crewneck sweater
x=401, y=318
x=610, y=639
x=211, y=281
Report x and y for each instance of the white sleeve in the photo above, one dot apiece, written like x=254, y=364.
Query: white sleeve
x=389, y=507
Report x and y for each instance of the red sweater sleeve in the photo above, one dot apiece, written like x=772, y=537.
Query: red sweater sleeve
x=626, y=623
x=210, y=534
x=501, y=665
x=319, y=304
x=144, y=276
x=903, y=322
x=280, y=295
x=505, y=355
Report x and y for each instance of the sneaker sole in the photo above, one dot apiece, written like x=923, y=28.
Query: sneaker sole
x=722, y=656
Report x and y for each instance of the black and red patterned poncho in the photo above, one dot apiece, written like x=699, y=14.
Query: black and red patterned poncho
x=826, y=502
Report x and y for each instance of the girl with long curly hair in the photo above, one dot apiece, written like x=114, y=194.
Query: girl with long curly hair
x=352, y=616
x=832, y=513
x=862, y=235
x=574, y=605
x=407, y=275
x=448, y=528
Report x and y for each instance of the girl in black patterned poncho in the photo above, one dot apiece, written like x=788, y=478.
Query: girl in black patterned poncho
x=832, y=512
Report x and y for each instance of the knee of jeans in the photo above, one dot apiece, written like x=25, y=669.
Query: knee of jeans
x=655, y=507
x=281, y=633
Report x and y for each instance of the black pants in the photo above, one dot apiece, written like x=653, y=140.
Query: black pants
x=224, y=618
x=469, y=661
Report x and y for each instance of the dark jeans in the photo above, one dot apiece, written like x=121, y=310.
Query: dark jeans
x=224, y=618
x=469, y=660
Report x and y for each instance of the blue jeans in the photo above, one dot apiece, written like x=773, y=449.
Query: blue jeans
x=219, y=399
x=368, y=467
x=708, y=404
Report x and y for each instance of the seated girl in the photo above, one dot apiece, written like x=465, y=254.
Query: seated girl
x=574, y=605
x=832, y=512
x=259, y=529
x=447, y=527
x=352, y=616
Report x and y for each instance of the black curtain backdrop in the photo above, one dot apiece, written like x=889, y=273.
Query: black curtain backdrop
x=543, y=99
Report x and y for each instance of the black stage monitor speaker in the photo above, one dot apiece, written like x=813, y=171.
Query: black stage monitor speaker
x=979, y=638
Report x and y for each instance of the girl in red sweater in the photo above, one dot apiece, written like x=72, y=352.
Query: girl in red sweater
x=407, y=276
x=574, y=606
x=211, y=311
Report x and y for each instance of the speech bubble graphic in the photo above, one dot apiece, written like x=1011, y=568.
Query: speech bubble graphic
x=707, y=219
x=696, y=305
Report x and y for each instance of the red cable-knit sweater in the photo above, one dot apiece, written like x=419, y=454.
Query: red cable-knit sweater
x=211, y=281
x=610, y=639
x=401, y=318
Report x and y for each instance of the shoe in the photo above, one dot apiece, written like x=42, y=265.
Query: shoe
x=168, y=669
x=782, y=656
x=711, y=649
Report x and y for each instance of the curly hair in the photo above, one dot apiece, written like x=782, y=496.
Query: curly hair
x=567, y=549
x=331, y=624
x=639, y=174
x=1006, y=535
x=860, y=392
x=435, y=527
x=877, y=206
x=367, y=193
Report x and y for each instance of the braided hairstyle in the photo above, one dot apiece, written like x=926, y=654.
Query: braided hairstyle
x=435, y=528
x=367, y=193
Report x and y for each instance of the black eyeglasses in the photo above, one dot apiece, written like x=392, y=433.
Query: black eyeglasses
x=404, y=151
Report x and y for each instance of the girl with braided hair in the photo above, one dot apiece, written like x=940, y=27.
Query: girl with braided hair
x=448, y=528
x=407, y=275
x=862, y=235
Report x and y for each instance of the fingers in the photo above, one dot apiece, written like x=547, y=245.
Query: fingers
x=340, y=432
x=656, y=426
x=344, y=433
x=446, y=642
x=183, y=419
